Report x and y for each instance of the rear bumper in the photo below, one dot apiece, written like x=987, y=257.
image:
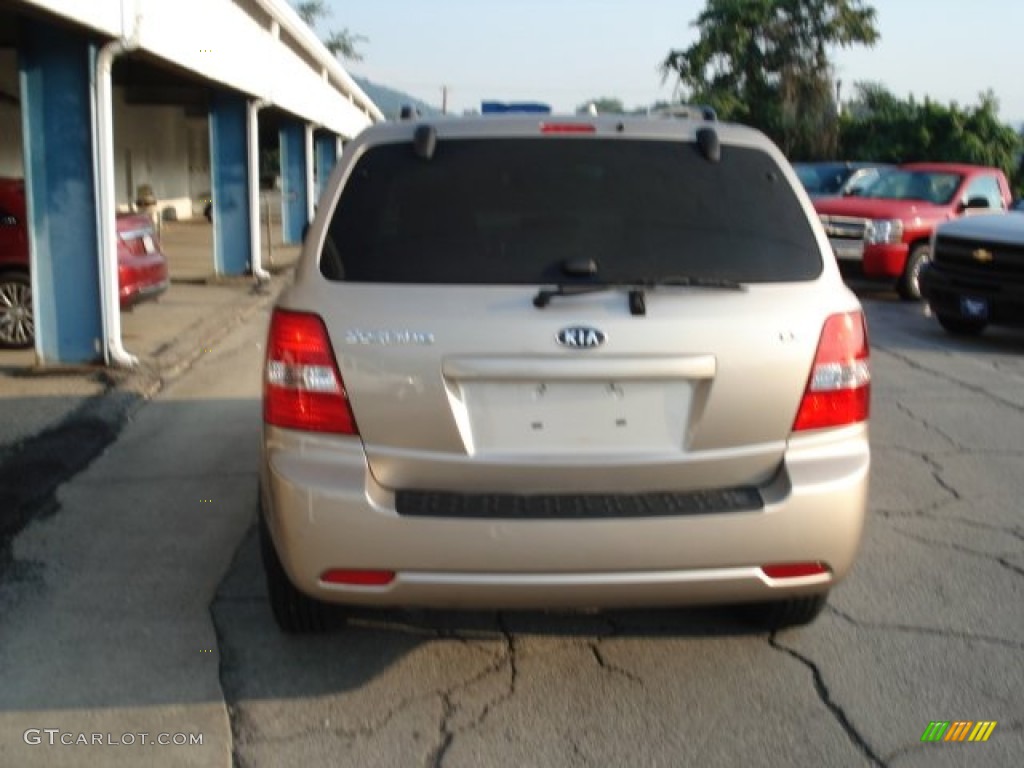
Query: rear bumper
x=945, y=293
x=142, y=278
x=885, y=260
x=325, y=510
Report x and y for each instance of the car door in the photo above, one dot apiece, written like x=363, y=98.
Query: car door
x=984, y=187
x=13, y=240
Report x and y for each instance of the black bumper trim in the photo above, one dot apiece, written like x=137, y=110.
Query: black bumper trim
x=508, y=506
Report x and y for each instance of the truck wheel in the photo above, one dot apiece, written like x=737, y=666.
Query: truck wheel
x=959, y=326
x=17, y=323
x=909, y=284
x=293, y=611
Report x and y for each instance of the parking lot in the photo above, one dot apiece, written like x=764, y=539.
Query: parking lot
x=134, y=603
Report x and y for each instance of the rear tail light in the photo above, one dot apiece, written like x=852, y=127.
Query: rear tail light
x=302, y=387
x=839, y=389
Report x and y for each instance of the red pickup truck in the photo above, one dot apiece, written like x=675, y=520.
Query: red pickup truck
x=886, y=228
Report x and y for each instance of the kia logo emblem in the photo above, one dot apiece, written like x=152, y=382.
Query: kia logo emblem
x=580, y=337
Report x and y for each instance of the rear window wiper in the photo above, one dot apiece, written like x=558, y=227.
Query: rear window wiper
x=636, y=289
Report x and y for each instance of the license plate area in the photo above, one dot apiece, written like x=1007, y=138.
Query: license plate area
x=847, y=250
x=973, y=309
x=567, y=417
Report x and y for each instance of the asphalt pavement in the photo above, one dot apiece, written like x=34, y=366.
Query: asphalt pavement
x=55, y=420
x=133, y=605
x=126, y=648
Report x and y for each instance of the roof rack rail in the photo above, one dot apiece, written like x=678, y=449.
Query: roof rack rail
x=685, y=112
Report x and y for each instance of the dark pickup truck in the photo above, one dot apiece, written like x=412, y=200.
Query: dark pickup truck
x=976, y=274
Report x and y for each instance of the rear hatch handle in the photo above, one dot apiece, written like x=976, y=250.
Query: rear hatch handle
x=636, y=289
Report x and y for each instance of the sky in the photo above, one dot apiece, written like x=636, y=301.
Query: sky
x=567, y=52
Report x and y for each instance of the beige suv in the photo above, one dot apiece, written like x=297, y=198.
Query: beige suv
x=577, y=362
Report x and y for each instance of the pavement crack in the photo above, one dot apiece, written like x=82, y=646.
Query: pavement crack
x=919, y=630
x=905, y=410
x=223, y=652
x=348, y=734
x=928, y=513
x=609, y=666
x=830, y=703
x=898, y=754
x=447, y=695
x=507, y=660
x=577, y=751
x=938, y=373
x=998, y=559
x=937, y=470
x=1010, y=566
x=436, y=757
x=447, y=734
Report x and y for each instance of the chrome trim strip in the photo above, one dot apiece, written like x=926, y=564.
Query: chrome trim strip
x=575, y=368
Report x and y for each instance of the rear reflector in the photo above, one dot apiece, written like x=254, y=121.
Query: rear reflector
x=302, y=388
x=794, y=570
x=567, y=128
x=839, y=388
x=357, y=578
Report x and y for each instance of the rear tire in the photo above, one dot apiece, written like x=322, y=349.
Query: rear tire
x=792, y=612
x=909, y=284
x=17, y=321
x=959, y=326
x=294, y=612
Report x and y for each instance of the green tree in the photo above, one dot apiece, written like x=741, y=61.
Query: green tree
x=1018, y=175
x=342, y=42
x=766, y=63
x=879, y=126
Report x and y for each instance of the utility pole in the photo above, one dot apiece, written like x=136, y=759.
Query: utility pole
x=444, y=99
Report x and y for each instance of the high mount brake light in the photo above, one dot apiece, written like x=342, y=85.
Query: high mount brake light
x=302, y=387
x=838, y=391
x=567, y=128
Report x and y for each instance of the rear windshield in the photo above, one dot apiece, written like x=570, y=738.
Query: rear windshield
x=512, y=211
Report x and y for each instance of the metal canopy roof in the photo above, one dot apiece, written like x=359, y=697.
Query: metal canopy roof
x=258, y=47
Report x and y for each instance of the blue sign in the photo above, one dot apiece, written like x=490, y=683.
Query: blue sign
x=502, y=107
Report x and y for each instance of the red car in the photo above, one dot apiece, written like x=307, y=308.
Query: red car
x=886, y=227
x=142, y=267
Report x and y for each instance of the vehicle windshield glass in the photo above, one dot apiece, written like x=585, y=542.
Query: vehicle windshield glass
x=514, y=211
x=936, y=187
x=823, y=179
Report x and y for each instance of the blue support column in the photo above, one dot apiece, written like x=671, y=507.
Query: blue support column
x=229, y=137
x=293, y=181
x=326, y=159
x=54, y=66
